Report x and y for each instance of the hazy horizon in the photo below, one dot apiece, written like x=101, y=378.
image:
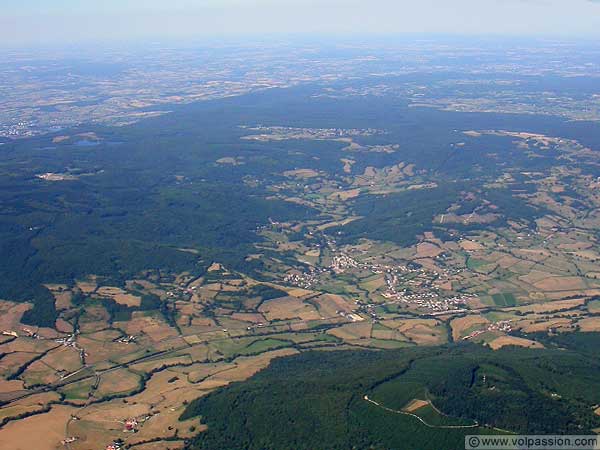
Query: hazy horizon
x=37, y=22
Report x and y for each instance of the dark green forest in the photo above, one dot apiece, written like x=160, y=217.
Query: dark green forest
x=315, y=400
x=147, y=190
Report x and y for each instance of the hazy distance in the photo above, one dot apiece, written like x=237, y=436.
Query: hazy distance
x=27, y=22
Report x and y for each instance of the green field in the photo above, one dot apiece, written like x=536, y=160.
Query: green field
x=504, y=299
x=475, y=264
x=230, y=348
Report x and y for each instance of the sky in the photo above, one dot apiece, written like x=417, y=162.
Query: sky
x=30, y=22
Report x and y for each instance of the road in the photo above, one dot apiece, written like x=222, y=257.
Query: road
x=373, y=402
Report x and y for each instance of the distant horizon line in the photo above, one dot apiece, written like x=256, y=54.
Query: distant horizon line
x=280, y=38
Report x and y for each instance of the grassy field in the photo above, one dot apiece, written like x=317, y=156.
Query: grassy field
x=506, y=299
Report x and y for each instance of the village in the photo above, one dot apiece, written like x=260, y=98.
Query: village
x=503, y=326
x=129, y=426
x=283, y=133
x=406, y=283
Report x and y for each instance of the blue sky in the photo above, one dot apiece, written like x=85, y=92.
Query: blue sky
x=31, y=21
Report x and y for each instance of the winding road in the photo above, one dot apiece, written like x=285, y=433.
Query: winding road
x=373, y=402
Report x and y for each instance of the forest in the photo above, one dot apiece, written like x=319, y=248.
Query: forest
x=137, y=195
x=301, y=401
